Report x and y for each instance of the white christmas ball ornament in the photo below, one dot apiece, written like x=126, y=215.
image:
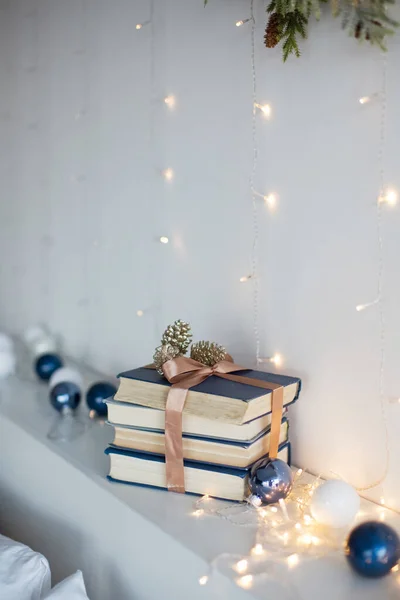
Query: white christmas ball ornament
x=6, y=343
x=7, y=364
x=335, y=503
x=44, y=346
x=66, y=374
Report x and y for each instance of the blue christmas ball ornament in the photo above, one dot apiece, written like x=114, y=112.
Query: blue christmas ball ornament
x=96, y=395
x=65, y=395
x=373, y=549
x=270, y=480
x=46, y=365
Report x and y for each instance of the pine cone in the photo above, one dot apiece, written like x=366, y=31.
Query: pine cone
x=179, y=335
x=273, y=31
x=162, y=354
x=207, y=353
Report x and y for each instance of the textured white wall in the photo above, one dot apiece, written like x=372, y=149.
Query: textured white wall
x=84, y=136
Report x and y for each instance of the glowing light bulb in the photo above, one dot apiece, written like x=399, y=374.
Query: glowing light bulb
x=298, y=526
x=389, y=197
x=257, y=550
x=203, y=580
x=382, y=500
x=271, y=200
x=139, y=313
x=245, y=278
x=198, y=513
x=307, y=519
x=361, y=307
x=365, y=100
x=293, y=560
x=395, y=568
x=168, y=174
x=255, y=501
x=306, y=539
x=205, y=498
x=241, y=22
x=264, y=108
x=245, y=582
x=277, y=360
x=141, y=25
x=241, y=566
x=170, y=101
x=164, y=239
x=273, y=509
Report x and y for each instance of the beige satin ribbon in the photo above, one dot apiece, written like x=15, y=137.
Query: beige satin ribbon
x=185, y=373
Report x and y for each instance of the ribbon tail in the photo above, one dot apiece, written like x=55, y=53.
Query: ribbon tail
x=173, y=439
x=276, y=420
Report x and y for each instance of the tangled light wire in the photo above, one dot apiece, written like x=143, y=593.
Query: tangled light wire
x=284, y=536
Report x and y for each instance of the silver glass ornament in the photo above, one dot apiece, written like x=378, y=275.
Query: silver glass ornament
x=270, y=480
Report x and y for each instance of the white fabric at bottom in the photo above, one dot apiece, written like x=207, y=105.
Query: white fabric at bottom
x=72, y=588
x=24, y=574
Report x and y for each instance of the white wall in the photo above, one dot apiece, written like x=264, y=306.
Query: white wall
x=84, y=136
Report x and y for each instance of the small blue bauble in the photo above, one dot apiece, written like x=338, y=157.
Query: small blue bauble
x=65, y=395
x=373, y=549
x=96, y=395
x=270, y=480
x=46, y=365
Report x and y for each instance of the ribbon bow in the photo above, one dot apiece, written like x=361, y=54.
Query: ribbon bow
x=185, y=373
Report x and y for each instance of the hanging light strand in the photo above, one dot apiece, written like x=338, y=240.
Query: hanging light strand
x=256, y=233
x=379, y=301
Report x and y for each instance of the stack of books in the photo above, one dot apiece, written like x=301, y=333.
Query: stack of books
x=226, y=429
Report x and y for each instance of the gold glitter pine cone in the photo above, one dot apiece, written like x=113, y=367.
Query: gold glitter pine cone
x=179, y=335
x=207, y=353
x=162, y=354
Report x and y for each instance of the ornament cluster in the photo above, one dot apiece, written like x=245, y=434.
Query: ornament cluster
x=176, y=341
x=66, y=384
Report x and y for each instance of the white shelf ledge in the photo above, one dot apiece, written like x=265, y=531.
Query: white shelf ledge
x=130, y=542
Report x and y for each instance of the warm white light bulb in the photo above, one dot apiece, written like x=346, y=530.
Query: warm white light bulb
x=241, y=566
x=139, y=26
x=382, y=500
x=170, y=101
x=164, y=239
x=389, y=197
x=265, y=109
x=257, y=550
x=245, y=582
x=364, y=100
x=270, y=200
x=241, y=22
x=203, y=580
x=277, y=360
x=361, y=307
x=244, y=278
x=292, y=560
x=168, y=174
x=139, y=313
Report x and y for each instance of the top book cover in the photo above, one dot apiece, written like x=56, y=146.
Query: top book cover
x=215, y=398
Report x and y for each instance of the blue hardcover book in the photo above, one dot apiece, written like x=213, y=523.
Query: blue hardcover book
x=235, y=453
x=214, y=398
x=219, y=481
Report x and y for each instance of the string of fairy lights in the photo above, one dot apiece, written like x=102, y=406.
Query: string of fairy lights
x=387, y=197
x=269, y=199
